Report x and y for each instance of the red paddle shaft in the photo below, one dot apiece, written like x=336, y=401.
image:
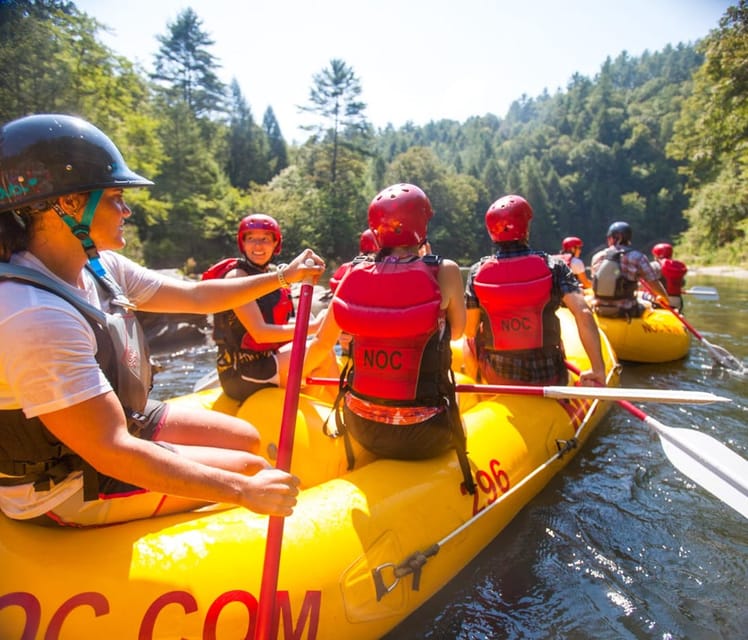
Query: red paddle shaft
x=267, y=618
x=665, y=304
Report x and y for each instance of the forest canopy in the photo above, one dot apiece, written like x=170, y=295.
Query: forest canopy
x=659, y=140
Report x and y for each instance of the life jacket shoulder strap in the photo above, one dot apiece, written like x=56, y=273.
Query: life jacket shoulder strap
x=23, y=274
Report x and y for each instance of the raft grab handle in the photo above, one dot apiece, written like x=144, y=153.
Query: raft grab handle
x=411, y=565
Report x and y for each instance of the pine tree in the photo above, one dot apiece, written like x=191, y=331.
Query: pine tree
x=184, y=67
x=247, y=144
x=334, y=97
x=277, y=149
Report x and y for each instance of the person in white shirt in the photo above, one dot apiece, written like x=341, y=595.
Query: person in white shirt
x=571, y=251
x=80, y=442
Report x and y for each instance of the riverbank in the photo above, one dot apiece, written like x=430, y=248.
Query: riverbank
x=726, y=271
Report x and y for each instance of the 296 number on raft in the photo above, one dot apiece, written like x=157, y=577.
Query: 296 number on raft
x=492, y=483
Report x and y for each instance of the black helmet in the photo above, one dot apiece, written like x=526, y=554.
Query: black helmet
x=50, y=155
x=620, y=232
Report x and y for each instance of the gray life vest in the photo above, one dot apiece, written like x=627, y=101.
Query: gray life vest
x=28, y=451
x=609, y=283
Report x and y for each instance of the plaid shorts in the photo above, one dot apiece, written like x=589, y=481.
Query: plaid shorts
x=532, y=366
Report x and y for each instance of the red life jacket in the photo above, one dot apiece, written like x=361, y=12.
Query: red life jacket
x=392, y=310
x=276, y=308
x=336, y=277
x=513, y=293
x=673, y=275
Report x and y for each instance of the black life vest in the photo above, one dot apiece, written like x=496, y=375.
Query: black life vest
x=28, y=451
x=563, y=257
x=228, y=331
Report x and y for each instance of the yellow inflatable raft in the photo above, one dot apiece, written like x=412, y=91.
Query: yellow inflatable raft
x=656, y=336
x=361, y=552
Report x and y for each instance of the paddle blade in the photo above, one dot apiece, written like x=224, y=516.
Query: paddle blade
x=665, y=396
x=707, y=462
x=723, y=357
x=703, y=293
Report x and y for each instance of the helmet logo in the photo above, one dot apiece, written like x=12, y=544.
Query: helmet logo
x=15, y=190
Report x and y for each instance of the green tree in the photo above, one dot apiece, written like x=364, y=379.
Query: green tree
x=248, y=148
x=184, y=67
x=334, y=97
x=277, y=148
x=33, y=39
x=456, y=231
x=711, y=140
x=53, y=62
x=61, y=67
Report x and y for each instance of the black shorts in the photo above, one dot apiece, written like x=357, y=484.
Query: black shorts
x=418, y=441
x=249, y=377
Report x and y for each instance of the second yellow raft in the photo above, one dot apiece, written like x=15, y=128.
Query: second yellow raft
x=656, y=336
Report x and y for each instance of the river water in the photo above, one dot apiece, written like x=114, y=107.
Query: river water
x=620, y=544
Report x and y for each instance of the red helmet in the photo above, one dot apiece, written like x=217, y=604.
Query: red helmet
x=572, y=242
x=399, y=216
x=264, y=223
x=368, y=242
x=508, y=219
x=662, y=250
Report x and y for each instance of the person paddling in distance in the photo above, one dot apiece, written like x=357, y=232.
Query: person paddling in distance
x=616, y=272
x=512, y=334
x=254, y=341
x=571, y=251
x=671, y=273
x=402, y=309
x=80, y=441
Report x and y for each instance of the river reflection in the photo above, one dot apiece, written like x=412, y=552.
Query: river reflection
x=620, y=544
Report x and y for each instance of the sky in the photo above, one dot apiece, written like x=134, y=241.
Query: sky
x=417, y=60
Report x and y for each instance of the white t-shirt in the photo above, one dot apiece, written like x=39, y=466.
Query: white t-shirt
x=577, y=266
x=47, y=357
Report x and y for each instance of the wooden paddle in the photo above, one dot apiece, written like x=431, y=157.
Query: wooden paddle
x=592, y=393
x=719, y=354
x=705, y=460
x=267, y=615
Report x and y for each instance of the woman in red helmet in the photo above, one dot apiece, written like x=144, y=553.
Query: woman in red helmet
x=512, y=332
x=571, y=250
x=402, y=310
x=671, y=273
x=253, y=341
x=81, y=442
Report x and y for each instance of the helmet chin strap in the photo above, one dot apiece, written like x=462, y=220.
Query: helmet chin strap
x=82, y=229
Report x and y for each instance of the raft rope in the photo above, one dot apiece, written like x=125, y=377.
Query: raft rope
x=415, y=562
